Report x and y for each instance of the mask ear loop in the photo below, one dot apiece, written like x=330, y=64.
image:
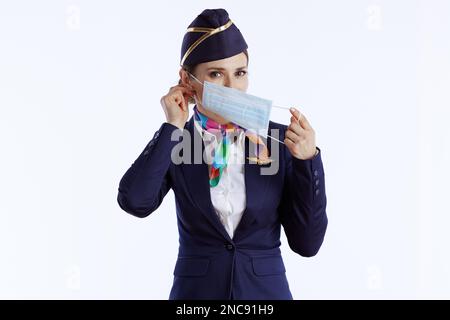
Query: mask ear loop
x=276, y=139
x=195, y=78
x=298, y=119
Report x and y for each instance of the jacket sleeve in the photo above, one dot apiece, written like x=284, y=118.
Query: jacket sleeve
x=147, y=181
x=303, y=204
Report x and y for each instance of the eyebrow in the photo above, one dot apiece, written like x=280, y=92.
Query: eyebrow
x=223, y=69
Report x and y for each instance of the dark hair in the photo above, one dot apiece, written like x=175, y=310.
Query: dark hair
x=191, y=70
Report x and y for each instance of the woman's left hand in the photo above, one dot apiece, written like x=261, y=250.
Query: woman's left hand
x=300, y=137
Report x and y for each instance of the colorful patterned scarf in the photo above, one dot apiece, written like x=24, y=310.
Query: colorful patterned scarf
x=221, y=151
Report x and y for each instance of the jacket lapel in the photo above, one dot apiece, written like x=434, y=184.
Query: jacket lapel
x=255, y=189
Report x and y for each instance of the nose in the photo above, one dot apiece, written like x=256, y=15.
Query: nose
x=228, y=82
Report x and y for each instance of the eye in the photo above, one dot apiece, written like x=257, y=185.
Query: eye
x=241, y=73
x=214, y=74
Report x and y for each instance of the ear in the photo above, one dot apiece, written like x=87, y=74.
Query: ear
x=184, y=76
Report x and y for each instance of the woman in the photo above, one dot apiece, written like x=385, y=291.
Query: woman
x=229, y=214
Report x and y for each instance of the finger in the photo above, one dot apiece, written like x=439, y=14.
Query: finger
x=288, y=142
x=181, y=102
x=294, y=126
x=303, y=121
x=186, y=94
x=186, y=102
x=181, y=88
x=295, y=113
x=185, y=105
x=187, y=85
x=292, y=135
x=187, y=91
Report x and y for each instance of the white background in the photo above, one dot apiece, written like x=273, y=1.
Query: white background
x=80, y=84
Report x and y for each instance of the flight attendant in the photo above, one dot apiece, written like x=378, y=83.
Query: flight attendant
x=229, y=215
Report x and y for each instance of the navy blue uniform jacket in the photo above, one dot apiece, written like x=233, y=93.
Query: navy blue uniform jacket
x=210, y=264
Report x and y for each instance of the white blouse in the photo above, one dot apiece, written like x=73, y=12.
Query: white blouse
x=228, y=197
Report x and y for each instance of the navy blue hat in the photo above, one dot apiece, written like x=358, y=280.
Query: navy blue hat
x=211, y=36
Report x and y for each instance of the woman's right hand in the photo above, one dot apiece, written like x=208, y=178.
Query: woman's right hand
x=175, y=104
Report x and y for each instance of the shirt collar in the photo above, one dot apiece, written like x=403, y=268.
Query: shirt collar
x=208, y=136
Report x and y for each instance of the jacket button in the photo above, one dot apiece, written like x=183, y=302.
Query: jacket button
x=316, y=173
x=229, y=246
x=317, y=192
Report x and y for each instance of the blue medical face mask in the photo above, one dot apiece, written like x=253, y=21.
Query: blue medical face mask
x=245, y=110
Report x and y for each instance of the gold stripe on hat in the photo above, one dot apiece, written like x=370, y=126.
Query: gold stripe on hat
x=208, y=33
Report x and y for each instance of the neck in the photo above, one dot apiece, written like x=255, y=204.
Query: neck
x=214, y=117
